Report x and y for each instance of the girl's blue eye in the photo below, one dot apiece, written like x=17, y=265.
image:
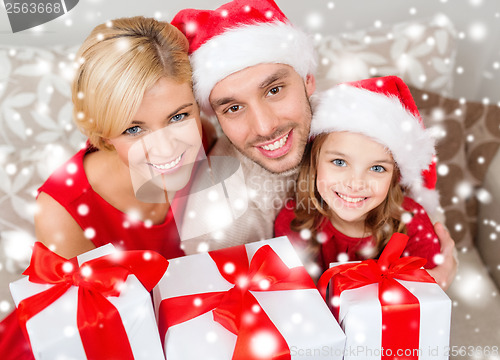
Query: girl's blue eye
x=134, y=130
x=339, y=162
x=378, y=168
x=178, y=117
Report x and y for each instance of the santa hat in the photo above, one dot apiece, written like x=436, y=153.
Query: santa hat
x=384, y=110
x=237, y=35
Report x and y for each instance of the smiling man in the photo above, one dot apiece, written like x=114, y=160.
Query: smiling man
x=264, y=110
x=254, y=70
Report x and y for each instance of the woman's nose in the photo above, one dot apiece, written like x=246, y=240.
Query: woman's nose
x=161, y=142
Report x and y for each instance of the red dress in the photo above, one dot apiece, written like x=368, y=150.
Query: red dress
x=423, y=241
x=108, y=225
x=103, y=222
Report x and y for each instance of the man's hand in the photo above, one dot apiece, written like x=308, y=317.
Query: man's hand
x=445, y=272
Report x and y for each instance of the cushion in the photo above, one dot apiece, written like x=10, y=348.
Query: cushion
x=37, y=135
x=468, y=137
x=487, y=241
x=421, y=52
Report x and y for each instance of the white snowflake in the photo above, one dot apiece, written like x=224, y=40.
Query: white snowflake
x=5, y=306
x=211, y=337
x=477, y=31
x=305, y=234
x=70, y=331
x=89, y=233
x=229, y=268
x=263, y=344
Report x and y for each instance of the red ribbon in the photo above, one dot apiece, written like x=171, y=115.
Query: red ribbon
x=237, y=309
x=99, y=323
x=400, y=308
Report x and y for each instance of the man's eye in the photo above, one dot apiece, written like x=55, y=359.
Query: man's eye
x=134, y=130
x=234, y=108
x=275, y=90
x=339, y=162
x=178, y=117
x=378, y=168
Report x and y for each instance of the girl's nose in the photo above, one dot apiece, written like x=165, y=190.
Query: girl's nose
x=355, y=181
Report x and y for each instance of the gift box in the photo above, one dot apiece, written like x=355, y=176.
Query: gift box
x=253, y=301
x=389, y=308
x=97, y=305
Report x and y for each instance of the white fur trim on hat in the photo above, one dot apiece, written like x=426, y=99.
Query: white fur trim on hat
x=429, y=199
x=248, y=45
x=382, y=118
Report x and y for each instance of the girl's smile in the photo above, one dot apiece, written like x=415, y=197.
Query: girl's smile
x=351, y=201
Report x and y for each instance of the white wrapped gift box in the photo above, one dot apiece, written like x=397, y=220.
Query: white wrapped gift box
x=54, y=334
x=360, y=316
x=301, y=316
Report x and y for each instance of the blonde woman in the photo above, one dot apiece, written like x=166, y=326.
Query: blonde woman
x=133, y=99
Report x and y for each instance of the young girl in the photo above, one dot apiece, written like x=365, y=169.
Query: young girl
x=369, y=162
x=133, y=98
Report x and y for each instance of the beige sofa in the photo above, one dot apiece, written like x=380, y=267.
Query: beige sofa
x=37, y=134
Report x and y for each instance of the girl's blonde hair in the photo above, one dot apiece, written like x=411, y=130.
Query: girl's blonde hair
x=117, y=63
x=312, y=210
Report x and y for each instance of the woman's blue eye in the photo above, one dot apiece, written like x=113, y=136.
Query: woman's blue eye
x=339, y=162
x=178, y=117
x=134, y=130
x=378, y=168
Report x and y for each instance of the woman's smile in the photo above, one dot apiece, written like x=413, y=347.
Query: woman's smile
x=168, y=166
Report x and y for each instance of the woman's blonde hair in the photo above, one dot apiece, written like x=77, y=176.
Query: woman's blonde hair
x=117, y=63
x=312, y=210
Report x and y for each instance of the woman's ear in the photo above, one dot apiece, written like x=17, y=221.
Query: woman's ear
x=108, y=143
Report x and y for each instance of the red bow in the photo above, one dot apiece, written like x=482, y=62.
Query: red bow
x=99, y=323
x=401, y=323
x=237, y=309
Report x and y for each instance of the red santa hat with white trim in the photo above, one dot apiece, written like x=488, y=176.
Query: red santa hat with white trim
x=237, y=35
x=384, y=110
